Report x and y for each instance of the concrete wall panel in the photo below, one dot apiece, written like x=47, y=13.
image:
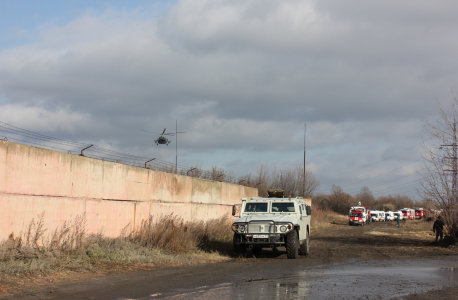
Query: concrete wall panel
x=109, y=216
x=232, y=194
x=210, y=211
x=217, y=192
x=201, y=191
x=182, y=210
x=3, y=150
x=170, y=187
x=94, y=178
x=142, y=212
x=22, y=209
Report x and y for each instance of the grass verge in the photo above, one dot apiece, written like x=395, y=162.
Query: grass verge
x=168, y=240
x=321, y=219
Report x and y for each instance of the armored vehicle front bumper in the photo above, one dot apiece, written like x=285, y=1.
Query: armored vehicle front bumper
x=257, y=233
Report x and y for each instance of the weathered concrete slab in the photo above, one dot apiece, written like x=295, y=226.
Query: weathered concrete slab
x=3, y=150
x=170, y=187
x=109, y=217
x=21, y=209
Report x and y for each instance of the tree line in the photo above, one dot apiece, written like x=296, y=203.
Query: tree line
x=340, y=202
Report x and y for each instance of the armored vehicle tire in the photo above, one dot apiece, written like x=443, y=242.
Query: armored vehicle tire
x=237, y=248
x=292, y=245
x=304, y=248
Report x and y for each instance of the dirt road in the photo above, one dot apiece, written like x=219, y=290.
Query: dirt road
x=376, y=261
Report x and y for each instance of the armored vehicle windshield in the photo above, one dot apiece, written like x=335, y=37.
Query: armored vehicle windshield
x=256, y=207
x=282, y=207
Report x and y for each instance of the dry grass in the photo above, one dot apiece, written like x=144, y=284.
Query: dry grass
x=172, y=234
x=414, y=229
x=321, y=218
x=167, y=240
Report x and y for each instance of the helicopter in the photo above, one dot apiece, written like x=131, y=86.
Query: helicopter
x=162, y=139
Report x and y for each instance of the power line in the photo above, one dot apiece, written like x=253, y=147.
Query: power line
x=394, y=187
x=382, y=173
x=384, y=159
x=384, y=182
x=403, y=187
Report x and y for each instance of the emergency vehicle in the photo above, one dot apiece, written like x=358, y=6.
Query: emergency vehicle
x=398, y=213
x=419, y=213
x=390, y=215
x=408, y=213
x=359, y=215
x=376, y=216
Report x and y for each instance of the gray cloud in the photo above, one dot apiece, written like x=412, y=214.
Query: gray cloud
x=242, y=76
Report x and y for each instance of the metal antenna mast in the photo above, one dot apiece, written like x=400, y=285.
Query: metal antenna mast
x=176, y=146
x=305, y=129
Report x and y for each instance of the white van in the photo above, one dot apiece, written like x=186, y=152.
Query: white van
x=376, y=216
x=398, y=213
x=390, y=215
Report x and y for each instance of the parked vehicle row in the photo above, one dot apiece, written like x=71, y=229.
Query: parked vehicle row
x=405, y=213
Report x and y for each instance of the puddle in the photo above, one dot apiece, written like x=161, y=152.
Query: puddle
x=352, y=281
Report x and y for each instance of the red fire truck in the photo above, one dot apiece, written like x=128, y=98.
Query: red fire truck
x=359, y=215
x=419, y=213
x=408, y=213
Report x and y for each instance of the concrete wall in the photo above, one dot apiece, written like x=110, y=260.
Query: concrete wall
x=110, y=195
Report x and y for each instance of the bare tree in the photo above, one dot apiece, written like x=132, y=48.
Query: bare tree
x=439, y=172
x=306, y=185
x=337, y=197
x=263, y=179
x=291, y=180
x=365, y=196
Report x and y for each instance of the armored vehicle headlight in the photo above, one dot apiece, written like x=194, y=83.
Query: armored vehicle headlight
x=242, y=228
x=289, y=226
x=283, y=228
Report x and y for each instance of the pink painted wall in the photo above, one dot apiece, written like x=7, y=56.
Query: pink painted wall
x=110, y=195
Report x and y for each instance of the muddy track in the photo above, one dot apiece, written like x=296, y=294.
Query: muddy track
x=334, y=247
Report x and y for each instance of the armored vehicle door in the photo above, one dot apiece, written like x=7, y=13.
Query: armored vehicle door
x=303, y=221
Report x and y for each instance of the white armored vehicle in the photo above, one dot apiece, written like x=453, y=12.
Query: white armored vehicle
x=271, y=222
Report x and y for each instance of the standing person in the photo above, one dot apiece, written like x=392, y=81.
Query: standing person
x=438, y=228
x=398, y=219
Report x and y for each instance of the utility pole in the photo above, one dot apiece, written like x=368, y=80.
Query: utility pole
x=305, y=127
x=176, y=146
x=454, y=169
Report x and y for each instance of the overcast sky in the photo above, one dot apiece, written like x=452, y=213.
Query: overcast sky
x=241, y=77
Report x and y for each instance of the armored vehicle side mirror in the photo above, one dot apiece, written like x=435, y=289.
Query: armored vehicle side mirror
x=233, y=210
x=308, y=209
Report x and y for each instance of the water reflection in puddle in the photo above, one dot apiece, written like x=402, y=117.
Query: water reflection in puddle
x=344, y=282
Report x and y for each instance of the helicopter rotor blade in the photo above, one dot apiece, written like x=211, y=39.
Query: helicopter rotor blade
x=150, y=132
x=163, y=131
